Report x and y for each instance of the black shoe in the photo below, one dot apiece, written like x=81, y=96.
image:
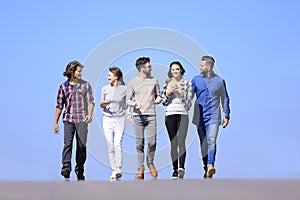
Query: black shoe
x=175, y=174
x=65, y=173
x=80, y=176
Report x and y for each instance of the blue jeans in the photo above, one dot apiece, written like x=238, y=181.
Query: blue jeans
x=208, y=138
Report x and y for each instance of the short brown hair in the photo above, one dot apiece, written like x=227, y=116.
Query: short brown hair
x=209, y=60
x=140, y=62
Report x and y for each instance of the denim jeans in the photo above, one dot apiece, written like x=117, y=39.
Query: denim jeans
x=208, y=138
x=113, y=130
x=145, y=124
x=81, y=131
x=177, y=126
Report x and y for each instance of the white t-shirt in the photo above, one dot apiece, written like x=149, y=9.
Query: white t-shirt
x=116, y=95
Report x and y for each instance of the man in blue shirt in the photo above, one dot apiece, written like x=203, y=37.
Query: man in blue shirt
x=211, y=93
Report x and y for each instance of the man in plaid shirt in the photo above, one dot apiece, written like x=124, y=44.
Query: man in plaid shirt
x=76, y=96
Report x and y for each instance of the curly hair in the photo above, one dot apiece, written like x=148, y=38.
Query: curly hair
x=71, y=68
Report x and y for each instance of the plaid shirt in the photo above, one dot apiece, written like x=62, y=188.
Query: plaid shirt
x=76, y=99
x=188, y=93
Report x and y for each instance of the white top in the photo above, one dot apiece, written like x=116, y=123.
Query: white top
x=116, y=95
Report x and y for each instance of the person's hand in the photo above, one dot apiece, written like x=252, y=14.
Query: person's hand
x=136, y=105
x=171, y=88
x=88, y=119
x=104, y=103
x=174, y=87
x=169, y=92
x=225, y=122
x=129, y=116
x=56, y=128
x=156, y=102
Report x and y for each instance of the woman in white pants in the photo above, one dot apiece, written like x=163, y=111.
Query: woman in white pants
x=113, y=103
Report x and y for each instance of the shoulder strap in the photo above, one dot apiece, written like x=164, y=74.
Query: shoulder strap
x=67, y=87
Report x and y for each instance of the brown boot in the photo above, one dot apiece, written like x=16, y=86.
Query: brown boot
x=152, y=170
x=140, y=175
x=210, y=171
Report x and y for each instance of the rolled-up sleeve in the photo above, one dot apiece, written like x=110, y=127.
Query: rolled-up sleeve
x=90, y=94
x=157, y=92
x=190, y=94
x=60, y=100
x=129, y=95
x=165, y=98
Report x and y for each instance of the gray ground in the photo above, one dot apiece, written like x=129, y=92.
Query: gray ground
x=220, y=189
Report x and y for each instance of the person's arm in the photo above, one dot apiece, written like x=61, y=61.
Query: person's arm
x=158, y=98
x=60, y=100
x=225, y=105
x=193, y=85
x=165, y=94
x=129, y=95
x=57, y=116
x=91, y=104
x=103, y=101
x=129, y=116
x=89, y=117
x=190, y=95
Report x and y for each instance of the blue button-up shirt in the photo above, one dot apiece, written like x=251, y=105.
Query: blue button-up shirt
x=210, y=93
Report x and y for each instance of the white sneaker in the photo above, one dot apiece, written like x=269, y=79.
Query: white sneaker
x=115, y=175
x=112, y=177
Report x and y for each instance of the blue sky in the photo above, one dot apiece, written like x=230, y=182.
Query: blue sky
x=255, y=45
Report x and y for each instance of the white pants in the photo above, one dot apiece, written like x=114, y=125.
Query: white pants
x=113, y=130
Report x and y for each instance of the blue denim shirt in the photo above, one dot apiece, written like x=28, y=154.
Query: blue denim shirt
x=210, y=93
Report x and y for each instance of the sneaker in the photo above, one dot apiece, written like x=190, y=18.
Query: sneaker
x=181, y=173
x=210, y=171
x=140, y=175
x=80, y=177
x=118, y=173
x=65, y=173
x=175, y=174
x=153, y=171
x=113, y=176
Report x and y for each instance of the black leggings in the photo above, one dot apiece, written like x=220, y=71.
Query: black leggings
x=177, y=127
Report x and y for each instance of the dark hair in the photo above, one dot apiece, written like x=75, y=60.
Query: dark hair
x=71, y=68
x=176, y=63
x=118, y=73
x=209, y=60
x=141, y=61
